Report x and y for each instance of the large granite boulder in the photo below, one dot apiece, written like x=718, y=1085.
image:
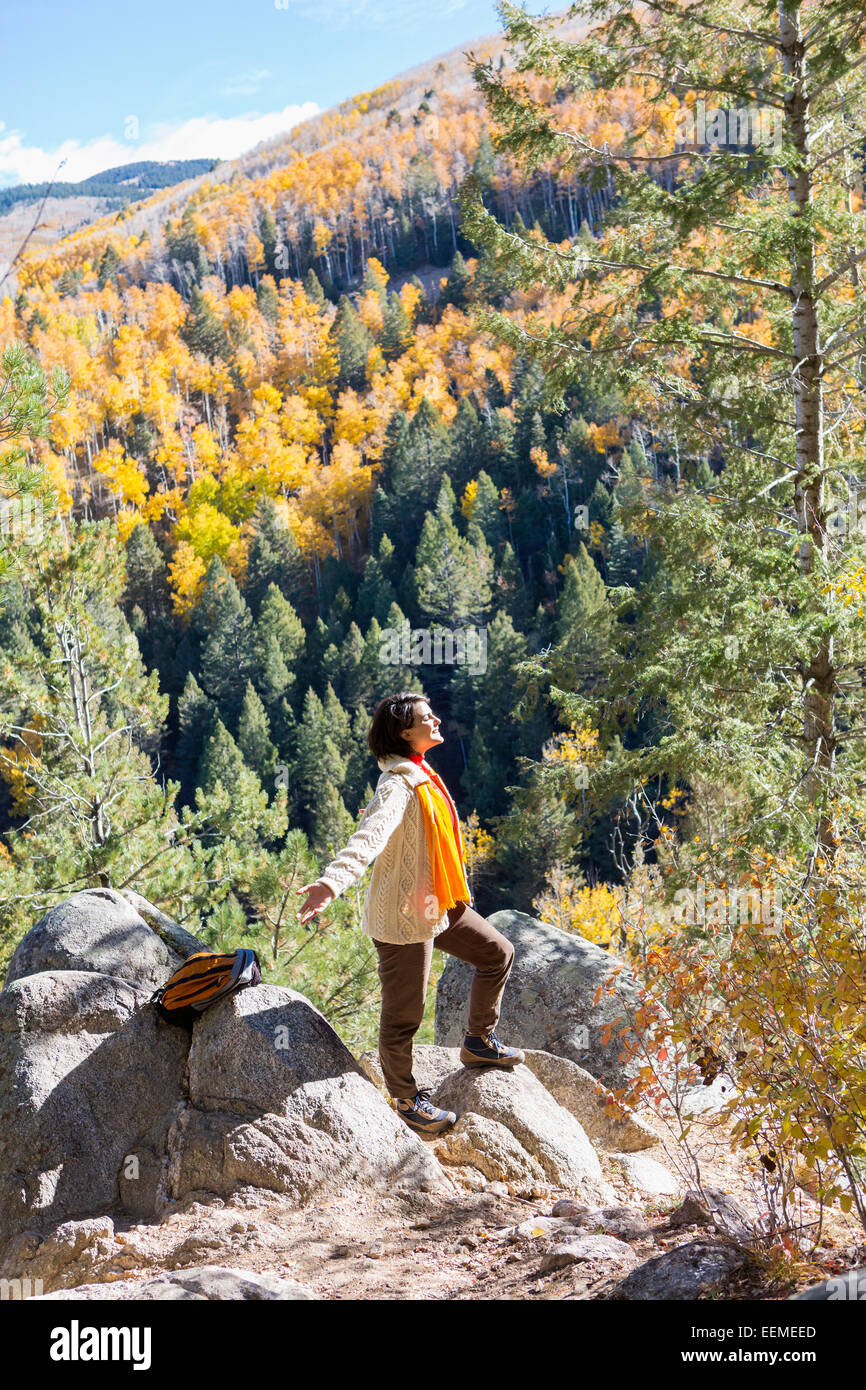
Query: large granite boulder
x=103, y=930
x=549, y=1000
x=610, y=1125
x=551, y=1135
x=491, y=1149
x=277, y=1100
x=87, y=1076
x=105, y=1109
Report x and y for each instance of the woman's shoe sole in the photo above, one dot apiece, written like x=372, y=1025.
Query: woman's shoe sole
x=470, y=1060
x=436, y=1127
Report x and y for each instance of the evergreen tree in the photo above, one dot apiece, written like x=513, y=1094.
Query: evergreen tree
x=356, y=789
x=487, y=511
x=511, y=589
x=699, y=377
x=202, y=330
x=222, y=760
x=419, y=461
x=622, y=566
x=454, y=291
x=109, y=265
x=146, y=583
x=332, y=825
x=583, y=614
x=337, y=722
x=279, y=644
x=451, y=581
x=79, y=721
x=354, y=343
x=352, y=675
x=376, y=592
x=231, y=798
x=254, y=737
x=313, y=287
x=484, y=163
x=227, y=653
x=468, y=443
x=269, y=238
x=274, y=558
x=267, y=299
x=397, y=334
x=318, y=763
x=195, y=716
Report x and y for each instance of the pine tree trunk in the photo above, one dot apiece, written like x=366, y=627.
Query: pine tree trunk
x=819, y=676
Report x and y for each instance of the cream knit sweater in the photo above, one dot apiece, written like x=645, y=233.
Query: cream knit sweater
x=400, y=905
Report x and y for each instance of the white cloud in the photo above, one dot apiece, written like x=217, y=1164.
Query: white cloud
x=202, y=137
x=246, y=84
x=369, y=14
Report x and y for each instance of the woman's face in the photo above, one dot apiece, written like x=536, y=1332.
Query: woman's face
x=424, y=732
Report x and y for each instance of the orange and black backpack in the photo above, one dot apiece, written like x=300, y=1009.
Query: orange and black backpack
x=204, y=977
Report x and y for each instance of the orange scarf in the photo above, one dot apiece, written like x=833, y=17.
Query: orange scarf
x=444, y=845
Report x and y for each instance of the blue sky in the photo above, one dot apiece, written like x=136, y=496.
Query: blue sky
x=105, y=83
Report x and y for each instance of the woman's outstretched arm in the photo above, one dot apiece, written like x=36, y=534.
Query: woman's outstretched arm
x=377, y=825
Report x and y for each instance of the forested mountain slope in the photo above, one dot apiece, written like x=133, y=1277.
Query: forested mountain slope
x=288, y=440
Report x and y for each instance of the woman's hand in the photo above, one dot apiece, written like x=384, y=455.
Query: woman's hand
x=319, y=897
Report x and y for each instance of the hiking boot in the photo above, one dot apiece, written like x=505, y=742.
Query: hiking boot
x=489, y=1052
x=423, y=1116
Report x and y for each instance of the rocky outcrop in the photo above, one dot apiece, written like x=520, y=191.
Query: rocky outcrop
x=102, y=930
x=276, y=1100
x=107, y=1110
x=609, y=1124
x=88, y=1075
x=487, y=1146
x=646, y=1175
x=114, y=1124
x=518, y=1101
x=549, y=1001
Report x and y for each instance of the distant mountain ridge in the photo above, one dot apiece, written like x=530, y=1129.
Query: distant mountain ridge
x=124, y=183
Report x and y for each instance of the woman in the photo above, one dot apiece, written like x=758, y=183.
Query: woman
x=418, y=896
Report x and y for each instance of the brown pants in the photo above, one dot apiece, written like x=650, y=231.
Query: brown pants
x=404, y=970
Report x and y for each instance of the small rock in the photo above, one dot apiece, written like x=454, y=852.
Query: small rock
x=691, y=1212
x=583, y=1249
x=623, y=1222
x=700, y=1267
x=646, y=1174
x=537, y=1226
x=567, y=1207
x=339, y=1252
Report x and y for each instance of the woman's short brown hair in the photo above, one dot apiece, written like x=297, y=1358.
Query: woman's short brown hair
x=390, y=717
